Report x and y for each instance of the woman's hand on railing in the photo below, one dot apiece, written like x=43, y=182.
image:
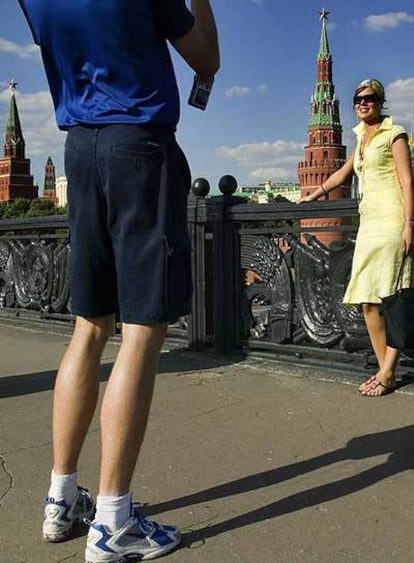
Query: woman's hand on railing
x=306, y=198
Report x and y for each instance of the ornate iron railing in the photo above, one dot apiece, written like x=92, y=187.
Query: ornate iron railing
x=265, y=279
x=261, y=279
x=34, y=264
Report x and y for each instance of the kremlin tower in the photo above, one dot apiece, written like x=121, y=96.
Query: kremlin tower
x=49, y=187
x=324, y=152
x=15, y=178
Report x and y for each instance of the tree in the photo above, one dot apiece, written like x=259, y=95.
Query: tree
x=41, y=208
x=17, y=209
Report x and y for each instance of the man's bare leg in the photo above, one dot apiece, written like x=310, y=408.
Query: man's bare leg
x=76, y=393
x=76, y=390
x=126, y=405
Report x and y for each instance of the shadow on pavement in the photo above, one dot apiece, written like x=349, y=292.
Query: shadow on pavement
x=398, y=443
x=179, y=360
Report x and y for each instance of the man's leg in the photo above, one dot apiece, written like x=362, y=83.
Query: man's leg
x=119, y=530
x=126, y=405
x=76, y=392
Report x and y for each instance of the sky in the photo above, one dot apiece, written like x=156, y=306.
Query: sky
x=255, y=125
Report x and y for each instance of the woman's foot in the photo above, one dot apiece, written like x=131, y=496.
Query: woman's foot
x=378, y=386
x=367, y=383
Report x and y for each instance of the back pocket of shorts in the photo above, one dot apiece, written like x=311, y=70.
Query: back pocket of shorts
x=139, y=167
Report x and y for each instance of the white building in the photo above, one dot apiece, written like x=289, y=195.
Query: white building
x=61, y=191
x=268, y=191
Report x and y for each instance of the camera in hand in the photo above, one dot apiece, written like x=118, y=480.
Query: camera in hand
x=200, y=92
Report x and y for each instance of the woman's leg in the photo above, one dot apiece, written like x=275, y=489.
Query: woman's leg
x=387, y=357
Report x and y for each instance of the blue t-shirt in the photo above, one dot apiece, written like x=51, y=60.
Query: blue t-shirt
x=107, y=61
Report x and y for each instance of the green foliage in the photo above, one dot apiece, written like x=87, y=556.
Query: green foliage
x=17, y=209
x=21, y=208
x=40, y=208
x=61, y=210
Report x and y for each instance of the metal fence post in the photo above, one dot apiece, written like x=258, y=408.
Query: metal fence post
x=197, y=331
x=227, y=272
x=214, y=239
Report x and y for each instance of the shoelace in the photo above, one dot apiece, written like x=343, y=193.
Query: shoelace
x=143, y=522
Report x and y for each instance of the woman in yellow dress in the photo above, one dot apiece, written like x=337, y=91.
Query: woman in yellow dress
x=382, y=163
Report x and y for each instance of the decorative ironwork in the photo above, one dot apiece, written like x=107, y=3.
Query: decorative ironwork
x=270, y=308
x=34, y=271
x=313, y=291
x=301, y=301
x=7, y=292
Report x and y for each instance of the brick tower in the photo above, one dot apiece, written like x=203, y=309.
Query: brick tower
x=49, y=187
x=15, y=178
x=324, y=153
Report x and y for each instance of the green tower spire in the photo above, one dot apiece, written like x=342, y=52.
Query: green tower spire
x=14, y=133
x=324, y=105
x=324, y=45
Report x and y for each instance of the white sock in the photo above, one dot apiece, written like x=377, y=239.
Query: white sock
x=113, y=512
x=63, y=487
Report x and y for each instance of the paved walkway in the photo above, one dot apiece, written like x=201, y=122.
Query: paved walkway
x=258, y=463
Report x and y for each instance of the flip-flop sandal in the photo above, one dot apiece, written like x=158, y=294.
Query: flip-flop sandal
x=387, y=389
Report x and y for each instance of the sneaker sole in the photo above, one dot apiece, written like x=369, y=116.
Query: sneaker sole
x=63, y=535
x=136, y=557
x=57, y=537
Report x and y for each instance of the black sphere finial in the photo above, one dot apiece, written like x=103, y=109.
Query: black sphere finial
x=200, y=187
x=227, y=184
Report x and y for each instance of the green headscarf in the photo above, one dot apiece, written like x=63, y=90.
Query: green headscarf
x=375, y=85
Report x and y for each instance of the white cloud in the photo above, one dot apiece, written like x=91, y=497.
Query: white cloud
x=274, y=174
x=387, y=21
x=400, y=100
x=242, y=91
x=29, y=51
x=237, y=91
x=276, y=160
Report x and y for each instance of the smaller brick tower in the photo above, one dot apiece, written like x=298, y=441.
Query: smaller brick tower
x=324, y=153
x=49, y=187
x=15, y=178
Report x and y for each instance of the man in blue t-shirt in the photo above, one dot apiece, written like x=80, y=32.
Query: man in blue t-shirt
x=115, y=93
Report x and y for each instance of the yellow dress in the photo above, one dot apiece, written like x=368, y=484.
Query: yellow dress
x=378, y=255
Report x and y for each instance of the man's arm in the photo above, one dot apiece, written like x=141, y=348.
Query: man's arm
x=199, y=47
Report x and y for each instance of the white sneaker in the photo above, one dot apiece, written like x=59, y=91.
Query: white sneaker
x=60, y=517
x=139, y=539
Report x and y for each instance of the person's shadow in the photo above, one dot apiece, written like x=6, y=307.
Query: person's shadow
x=399, y=443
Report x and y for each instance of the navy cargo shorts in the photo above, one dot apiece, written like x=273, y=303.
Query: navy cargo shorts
x=127, y=199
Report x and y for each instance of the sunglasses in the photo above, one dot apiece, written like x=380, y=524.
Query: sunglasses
x=368, y=99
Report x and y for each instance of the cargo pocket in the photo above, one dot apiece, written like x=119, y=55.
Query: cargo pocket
x=178, y=284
